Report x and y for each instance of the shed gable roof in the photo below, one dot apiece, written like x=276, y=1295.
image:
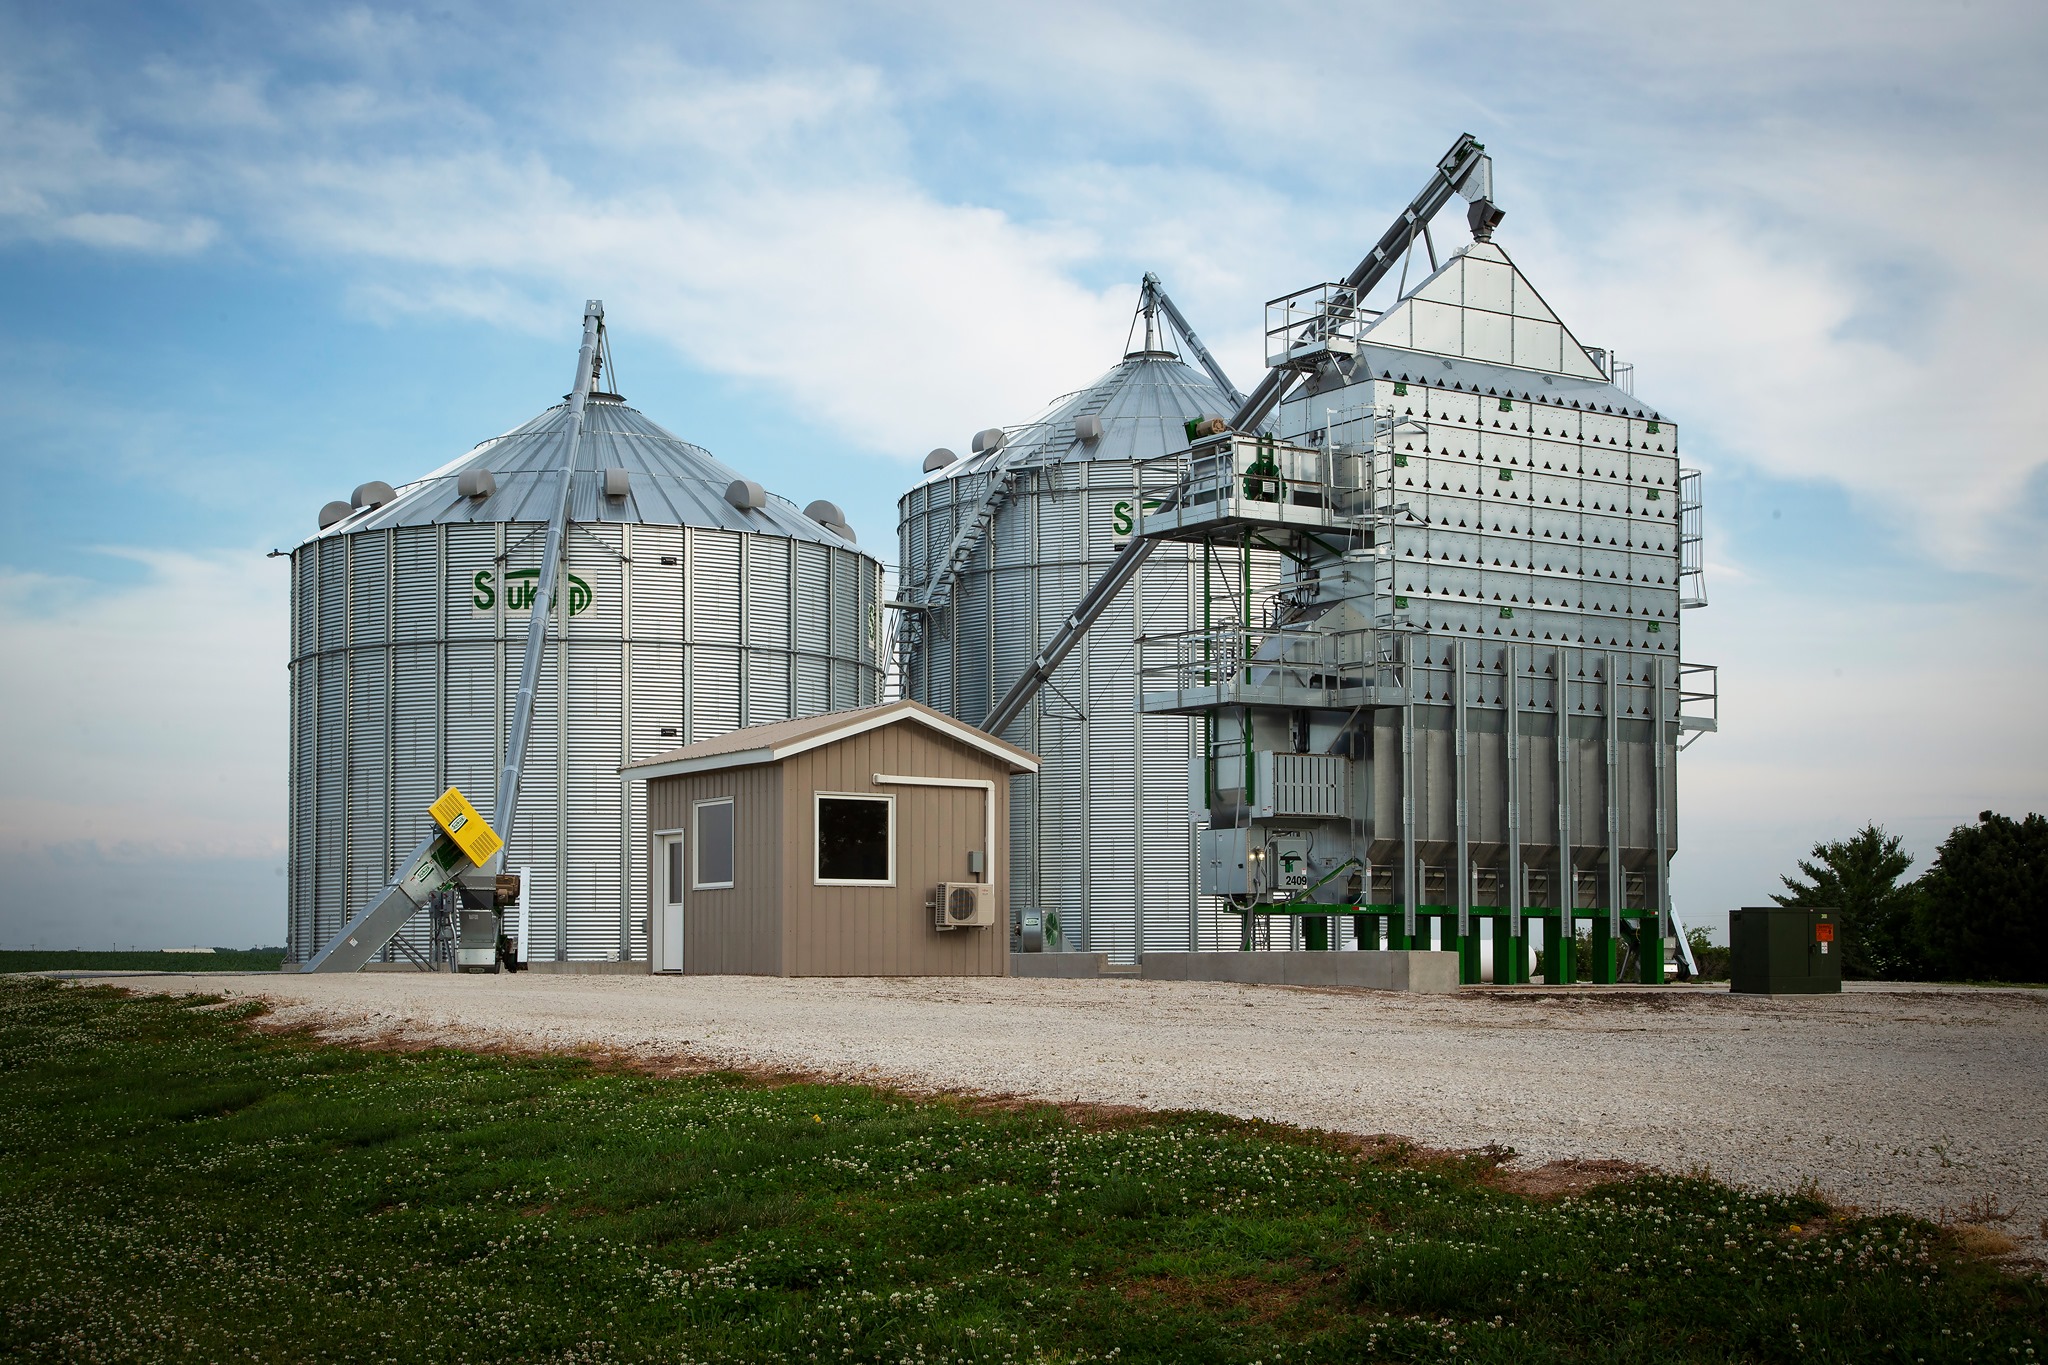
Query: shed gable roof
x=771, y=743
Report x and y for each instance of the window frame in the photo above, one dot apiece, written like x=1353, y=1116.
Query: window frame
x=697, y=882
x=818, y=798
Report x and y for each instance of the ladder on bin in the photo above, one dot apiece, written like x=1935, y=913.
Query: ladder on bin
x=969, y=537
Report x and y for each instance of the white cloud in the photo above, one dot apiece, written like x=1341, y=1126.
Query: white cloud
x=1838, y=707
x=129, y=232
x=867, y=303
x=145, y=720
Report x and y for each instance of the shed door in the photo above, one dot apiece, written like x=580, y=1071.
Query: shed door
x=668, y=878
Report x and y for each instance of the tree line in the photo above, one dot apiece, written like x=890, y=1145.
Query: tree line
x=1978, y=913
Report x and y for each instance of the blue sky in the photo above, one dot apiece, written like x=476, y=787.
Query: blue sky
x=251, y=256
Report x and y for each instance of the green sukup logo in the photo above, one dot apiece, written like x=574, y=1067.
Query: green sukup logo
x=1122, y=516
x=521, y=586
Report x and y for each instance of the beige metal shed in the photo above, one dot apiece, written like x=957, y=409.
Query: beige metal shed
x=869, y=842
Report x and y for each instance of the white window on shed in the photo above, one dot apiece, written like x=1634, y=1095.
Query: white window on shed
x=711, y=837
x=856, y=840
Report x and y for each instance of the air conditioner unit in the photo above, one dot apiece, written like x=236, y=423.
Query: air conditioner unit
x=964, y=905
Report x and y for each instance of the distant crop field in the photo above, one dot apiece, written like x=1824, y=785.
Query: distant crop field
x=175, y=1185
x=224, y=960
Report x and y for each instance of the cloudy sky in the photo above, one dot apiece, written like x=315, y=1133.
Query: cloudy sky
x=253, y=255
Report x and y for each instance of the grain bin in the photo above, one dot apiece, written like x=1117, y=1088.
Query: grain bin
x=996, y=548
x=692, y=602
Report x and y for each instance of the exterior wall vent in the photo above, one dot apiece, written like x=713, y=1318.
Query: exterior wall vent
x=477, y=483
x=939, y=459
x=746, y=495
x=375, y=493
x=990, y=439
x=618, y=483
x=334, y=512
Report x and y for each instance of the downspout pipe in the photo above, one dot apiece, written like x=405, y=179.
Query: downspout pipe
x=544, y=592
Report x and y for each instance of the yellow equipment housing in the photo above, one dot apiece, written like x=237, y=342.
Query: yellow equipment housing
x=470, y=831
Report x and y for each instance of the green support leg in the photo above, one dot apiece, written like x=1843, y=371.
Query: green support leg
x=1606, y=952
x=1652, y=954
x=1244, y=938
x=1468, y=953
x=1510, y=954
x=1315, y=933
x=1560, y=950
x=1366, y=930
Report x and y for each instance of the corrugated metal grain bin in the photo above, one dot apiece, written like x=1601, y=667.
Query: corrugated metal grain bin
x=693, y=603
x=1103, y=837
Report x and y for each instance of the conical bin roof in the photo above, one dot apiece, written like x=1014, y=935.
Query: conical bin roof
x=670, y=481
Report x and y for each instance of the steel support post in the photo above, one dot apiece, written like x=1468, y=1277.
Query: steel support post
x=1315, y=933
x=1409, y=875
x=1605, y=967
x=1566, y=891
x=1466, y=941
x=1513, y=892
x=1653, y=963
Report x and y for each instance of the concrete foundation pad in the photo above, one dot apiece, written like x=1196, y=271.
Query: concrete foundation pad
x=1061, y=966
x=1377, y=971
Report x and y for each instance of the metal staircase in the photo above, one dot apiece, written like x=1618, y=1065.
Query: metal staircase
x=1002, y=476
x=921, y=601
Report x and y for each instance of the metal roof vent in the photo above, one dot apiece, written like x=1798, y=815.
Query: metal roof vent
x=939, y=459
x=746, y=495
x=828, y=515
x=1088, y=428
x=334, y=512
x=617, y=482
x=991, y=439
x=375, y=493
x=476, y=483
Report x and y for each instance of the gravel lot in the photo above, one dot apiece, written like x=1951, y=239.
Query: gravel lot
x=1915, y=1098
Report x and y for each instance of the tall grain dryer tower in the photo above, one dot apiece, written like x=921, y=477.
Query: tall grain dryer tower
x=691, y=602
x=995, y=548
x=1456, y=720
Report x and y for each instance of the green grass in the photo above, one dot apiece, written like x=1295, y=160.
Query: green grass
x=176, y=1186
x=223, y=960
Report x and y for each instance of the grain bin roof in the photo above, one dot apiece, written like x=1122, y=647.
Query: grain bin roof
x=1144, y=404
x=774, y=742
x=670, y=481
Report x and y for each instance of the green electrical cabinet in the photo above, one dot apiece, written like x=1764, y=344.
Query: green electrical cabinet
x=1784, y=950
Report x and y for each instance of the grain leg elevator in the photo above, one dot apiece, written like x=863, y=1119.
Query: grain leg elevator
x=1461, y=704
